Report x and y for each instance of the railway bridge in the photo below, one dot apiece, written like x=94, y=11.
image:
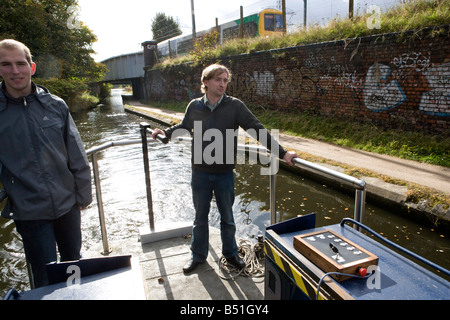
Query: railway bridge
x=129, y=68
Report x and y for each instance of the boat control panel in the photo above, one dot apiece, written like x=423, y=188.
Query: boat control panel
x=332, y=252
x=339, y=262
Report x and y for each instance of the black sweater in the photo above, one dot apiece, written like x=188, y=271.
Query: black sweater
x=214, y=144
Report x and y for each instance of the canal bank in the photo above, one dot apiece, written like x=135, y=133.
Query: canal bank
x=382, y=168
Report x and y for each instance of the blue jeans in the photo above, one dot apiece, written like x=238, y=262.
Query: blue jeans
x=40, y=238
x=203, y=186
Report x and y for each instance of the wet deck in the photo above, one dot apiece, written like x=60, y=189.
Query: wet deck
x=161, y=264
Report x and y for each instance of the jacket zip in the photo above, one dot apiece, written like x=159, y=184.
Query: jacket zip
x=38, y=158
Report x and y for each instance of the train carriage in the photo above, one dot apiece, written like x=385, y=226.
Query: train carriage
x=266, y=22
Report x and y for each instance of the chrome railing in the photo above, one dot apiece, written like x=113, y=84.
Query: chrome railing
x=98, y=190
x=356, y=183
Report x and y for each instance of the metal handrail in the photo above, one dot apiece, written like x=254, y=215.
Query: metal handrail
x=396, y=246
x=358, y=184
x=111, y=144
x=355, y=182
x=101, y=214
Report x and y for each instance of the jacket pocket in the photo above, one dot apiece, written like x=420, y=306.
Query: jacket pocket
x=50, y=125
x=53, y=134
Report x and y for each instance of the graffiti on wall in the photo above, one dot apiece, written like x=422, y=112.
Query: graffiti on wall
x=336, y=74
x=437, y=100
x=160, y=87
x=296, y=83
x=304, y=81
x=182, y=91
x=264, y=83
x=285, y=84
x=156, y=88
x=243, y=85
x=406, y=79
x=379, y=94
x=384, y=85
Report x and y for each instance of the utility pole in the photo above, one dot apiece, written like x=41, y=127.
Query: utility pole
x=304, y=13
x=220, y=39
x=283, y=9
x=350, y=9
x=194, y=35
x=241, y=25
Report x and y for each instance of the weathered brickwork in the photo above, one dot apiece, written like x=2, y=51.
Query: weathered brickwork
x=392, y=82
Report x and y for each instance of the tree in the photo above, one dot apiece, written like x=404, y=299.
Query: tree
x=164, y=27
x=60, y=51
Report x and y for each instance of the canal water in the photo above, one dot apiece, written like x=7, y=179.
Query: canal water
x=125, y=203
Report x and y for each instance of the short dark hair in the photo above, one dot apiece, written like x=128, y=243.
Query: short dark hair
x=11, y=44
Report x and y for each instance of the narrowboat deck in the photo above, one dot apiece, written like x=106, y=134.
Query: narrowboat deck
x=155, y=272
x=161, y=264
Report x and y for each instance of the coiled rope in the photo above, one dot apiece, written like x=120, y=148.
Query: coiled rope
x=252, y=255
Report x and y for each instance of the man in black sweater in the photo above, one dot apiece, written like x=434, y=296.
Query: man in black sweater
x=214, y=120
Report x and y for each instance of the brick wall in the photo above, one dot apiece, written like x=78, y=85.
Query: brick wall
x=392, y=81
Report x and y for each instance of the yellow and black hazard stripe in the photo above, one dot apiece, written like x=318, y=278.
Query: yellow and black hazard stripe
x=291, y=271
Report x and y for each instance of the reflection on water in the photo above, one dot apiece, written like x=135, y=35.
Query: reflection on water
x=125, y=204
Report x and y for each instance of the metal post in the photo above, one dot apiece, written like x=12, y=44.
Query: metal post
x=304, y=13
x=273, y=181
x=144, y=126
x=360, y=199
x=194, y=33
x=241, y=23
x=350, y=9
x=101, y=213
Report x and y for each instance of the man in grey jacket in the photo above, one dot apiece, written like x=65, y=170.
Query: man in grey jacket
x=214, y=120
x=43, y=164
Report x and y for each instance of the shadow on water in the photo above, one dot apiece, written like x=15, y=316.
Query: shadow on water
x=125, y=203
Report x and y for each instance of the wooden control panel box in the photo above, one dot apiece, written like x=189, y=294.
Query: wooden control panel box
x=334, y=253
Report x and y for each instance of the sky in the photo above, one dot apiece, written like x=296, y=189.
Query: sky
x=122, y=25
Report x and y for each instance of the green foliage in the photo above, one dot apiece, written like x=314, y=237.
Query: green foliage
x=75, y=92
x=44, y=26
x=164, y=27
x=204, y=47
x=61, y=51
x=105, y=90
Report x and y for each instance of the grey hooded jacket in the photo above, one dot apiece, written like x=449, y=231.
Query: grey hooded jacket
x=43, y=164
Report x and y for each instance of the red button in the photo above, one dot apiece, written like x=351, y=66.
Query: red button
x=361, y=271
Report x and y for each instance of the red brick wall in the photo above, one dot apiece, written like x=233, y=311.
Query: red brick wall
x=392, y=81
